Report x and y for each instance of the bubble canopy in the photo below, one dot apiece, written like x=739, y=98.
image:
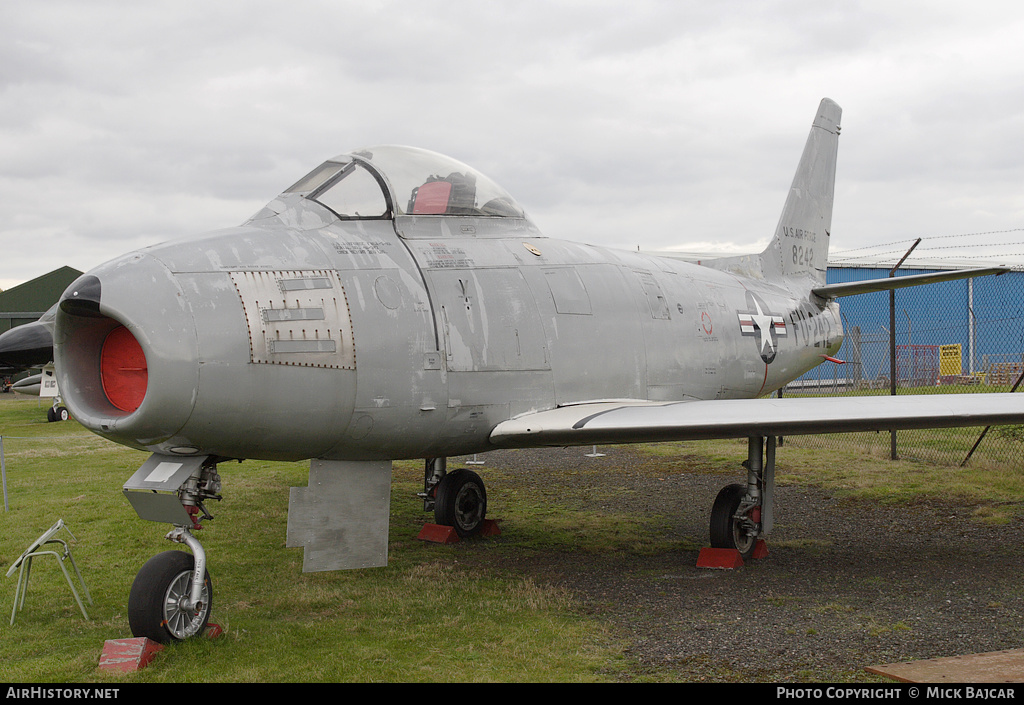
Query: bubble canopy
x=387, y=180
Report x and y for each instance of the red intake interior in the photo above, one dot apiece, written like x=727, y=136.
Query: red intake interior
x=123, y=370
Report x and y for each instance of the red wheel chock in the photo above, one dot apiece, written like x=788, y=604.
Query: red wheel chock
x=728, y=558
x=435, y=533
x=722, y=558
x=130, y=655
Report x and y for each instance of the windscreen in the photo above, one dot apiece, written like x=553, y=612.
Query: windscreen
x=353, y=192
x=427, y=183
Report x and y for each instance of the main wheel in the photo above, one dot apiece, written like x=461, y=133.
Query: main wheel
x=156, y=603
x=461, y=501
x=726, y=531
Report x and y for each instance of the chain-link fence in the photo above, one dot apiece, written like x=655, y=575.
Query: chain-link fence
x=957, y=337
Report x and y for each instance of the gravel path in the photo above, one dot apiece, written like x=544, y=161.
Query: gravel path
x=847, y=584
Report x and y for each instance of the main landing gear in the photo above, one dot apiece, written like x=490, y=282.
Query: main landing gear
x=457, y=498
x=742, y=514
x=57, y=412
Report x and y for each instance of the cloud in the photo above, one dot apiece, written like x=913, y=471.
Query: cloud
x=654, y=123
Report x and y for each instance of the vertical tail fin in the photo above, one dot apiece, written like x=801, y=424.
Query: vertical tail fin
x=800, y=246
x=799, y=250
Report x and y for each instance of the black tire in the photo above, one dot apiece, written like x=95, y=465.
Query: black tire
x=725, y=532
x=154, y=601
x=51, y=415
x=461, y=502
x=62, y=414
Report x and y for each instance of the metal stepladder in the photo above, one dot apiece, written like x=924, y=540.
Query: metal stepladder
x=36, y=549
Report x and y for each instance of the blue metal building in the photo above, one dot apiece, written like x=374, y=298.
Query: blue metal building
x=984, y=316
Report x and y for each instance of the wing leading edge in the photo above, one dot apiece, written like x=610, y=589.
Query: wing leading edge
x=606, y=423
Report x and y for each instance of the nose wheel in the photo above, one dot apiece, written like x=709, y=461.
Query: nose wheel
x=160, y=604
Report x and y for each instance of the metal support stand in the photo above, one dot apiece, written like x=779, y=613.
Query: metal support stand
x=1020, y=378
x=341, y=519
x=25, y=563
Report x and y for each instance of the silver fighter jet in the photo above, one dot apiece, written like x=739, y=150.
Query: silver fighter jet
x=395, y=303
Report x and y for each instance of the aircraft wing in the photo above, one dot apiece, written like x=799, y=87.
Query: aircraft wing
x=605, y=423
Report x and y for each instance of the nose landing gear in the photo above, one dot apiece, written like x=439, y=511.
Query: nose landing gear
x=171, y=598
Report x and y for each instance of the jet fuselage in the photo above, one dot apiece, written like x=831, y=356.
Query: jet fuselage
x=406, y=336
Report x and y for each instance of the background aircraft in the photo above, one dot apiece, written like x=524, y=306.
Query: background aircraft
x=395, y=303
x=30, y=346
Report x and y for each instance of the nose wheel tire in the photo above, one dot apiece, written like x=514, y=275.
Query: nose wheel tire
x=728, y=531
x=158, y=604
x=461, y=502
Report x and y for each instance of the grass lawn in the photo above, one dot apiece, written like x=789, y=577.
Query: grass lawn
x=427, y=617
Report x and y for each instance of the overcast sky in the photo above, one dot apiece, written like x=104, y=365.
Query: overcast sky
x=647, y=124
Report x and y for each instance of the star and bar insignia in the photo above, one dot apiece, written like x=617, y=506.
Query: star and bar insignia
x=766, y=326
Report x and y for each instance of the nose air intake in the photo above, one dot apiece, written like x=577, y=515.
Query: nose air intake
x=123, y=372
x=126, y=371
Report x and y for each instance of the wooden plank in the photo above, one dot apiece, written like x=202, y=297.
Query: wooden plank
x=993, y=667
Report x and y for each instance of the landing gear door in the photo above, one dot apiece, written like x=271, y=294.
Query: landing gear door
x=48, y=383
x=153, y=489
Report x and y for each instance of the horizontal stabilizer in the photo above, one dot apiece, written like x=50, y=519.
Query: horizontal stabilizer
x=832, y=291
x=639, y=422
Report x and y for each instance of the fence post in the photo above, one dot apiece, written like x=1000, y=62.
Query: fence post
x=892, y=360
x=3, y=471
x=892, y=343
